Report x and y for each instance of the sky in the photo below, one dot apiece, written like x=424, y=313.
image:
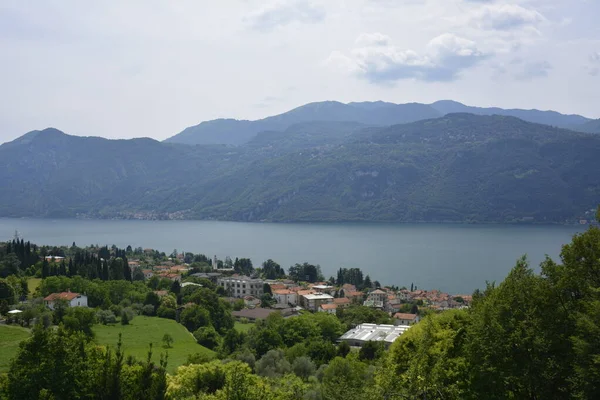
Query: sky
x=149, y=68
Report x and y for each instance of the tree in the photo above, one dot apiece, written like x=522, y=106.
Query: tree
x=371, y=351
x=273, y=364
x=343, y=349
x=344, y=379
x=207, y=336
x=176, y=287
x=194, y=317
x=124, y=318
x=167, y=340
x=303, y=367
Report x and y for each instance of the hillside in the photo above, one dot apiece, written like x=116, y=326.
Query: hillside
x=590, y=126
x=552, y=118
x=377, y=113
x=230, y=131
x=460, y=167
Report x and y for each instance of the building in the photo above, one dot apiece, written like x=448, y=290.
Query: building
x=184, y=284
x=71, y=299
x=330, y=308
x=324, y=289
x=313, y=301
x=341, y=302
x=377, y=299
x=241, y=286
x=285, y=296
x=405, y=319
x=54, y=258
x=211, y=276
x=364, y=333
x=251, y=301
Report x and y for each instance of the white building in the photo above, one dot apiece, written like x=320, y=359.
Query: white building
x=364, y=333
x=71, y=299
x=241, y=286
x=285, y=297
x=313, y=301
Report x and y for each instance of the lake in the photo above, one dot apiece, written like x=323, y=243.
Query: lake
x=452, y=258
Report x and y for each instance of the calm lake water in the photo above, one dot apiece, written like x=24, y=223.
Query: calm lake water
x=452, y=258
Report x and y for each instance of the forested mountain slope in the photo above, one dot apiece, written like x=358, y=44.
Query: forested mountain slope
x=460, y=167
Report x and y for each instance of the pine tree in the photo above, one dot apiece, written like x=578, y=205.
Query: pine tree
x=45, y=269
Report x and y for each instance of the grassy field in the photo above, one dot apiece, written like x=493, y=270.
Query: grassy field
x=142, y=331
x=243, y=327
x=33, y=284
x=10, y=337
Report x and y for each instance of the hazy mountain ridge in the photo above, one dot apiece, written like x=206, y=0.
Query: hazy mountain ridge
x=460, y=167
x=377, y=113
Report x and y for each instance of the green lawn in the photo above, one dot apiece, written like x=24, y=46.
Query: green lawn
x=33, y=284
x=243, y=327
x=142, y=331
x=10, y=337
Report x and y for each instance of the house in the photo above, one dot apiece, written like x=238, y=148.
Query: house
x=376, y=299
x=184, y=284
x=148, y=273
x=54, y=258
x=330, y=308
x=211, y=276
x=405, y=319
x=71, y=299
x=161, y=293
x=324, y=289
x=240, y=286
x=341, y=302
x=251, y=301
x=364, y=333
x=171, y=276
x=253, y=314
x=313, y=301
x=285, y=296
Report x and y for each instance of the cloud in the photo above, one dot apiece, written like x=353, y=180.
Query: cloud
x=284, y=12
x=502, y=17
x=532, y=70
x=593, y=67
x=377, y=60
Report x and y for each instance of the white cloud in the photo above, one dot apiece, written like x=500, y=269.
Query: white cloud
x=284, y=12
x=505, y=17
x=593, y=67
x=377, y=60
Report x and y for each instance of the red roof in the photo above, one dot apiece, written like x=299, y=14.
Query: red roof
x=283, y=291
x=61, y=296
x=341, y=300
x=405, y=316
x=329, y=306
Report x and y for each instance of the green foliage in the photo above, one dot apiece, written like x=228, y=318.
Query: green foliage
x=371, y=351
x=167, y=340
x=58, y=364
x=208, y=337
x=273, y=364
x=355, y=315
x=344, y=378
x=303, y=367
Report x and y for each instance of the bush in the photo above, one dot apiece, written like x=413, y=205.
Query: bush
x=207, y=336
x=148, y=310
x=165, y=312
x=199, y=358
x=246, y=356
x=106, y=317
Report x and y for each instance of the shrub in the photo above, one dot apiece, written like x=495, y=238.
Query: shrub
x=207, y=336
x=165, y=312
x=106, y=317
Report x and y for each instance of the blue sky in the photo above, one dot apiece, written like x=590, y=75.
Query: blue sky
x=151, y=68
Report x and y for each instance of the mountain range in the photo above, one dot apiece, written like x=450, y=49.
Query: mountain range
x=379, y=113
x=458, y=167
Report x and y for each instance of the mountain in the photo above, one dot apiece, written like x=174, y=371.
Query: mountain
x=590, y=126
x=540, y=117
x=236, y=132
x=459, y=168
x=377, y=113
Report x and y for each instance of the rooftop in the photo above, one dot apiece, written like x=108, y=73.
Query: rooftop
x=62, y=296
x=376, y=333
x=330, y=306
x=405, y=316
x=318, y=296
